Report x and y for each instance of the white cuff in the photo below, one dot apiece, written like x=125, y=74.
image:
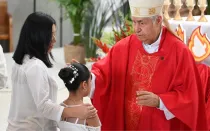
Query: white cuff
x=167, y=113
x=60, y=114
x=92, y=90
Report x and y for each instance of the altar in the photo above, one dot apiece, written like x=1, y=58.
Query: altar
x=192, y=30
x=195, y=34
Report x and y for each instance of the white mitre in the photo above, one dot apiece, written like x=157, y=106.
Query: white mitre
x=146, y=8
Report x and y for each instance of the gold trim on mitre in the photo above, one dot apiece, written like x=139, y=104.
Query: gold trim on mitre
x=145, y=11
x=152, y=11
x=136, y=10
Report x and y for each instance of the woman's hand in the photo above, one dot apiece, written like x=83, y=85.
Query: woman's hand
x=84, y=111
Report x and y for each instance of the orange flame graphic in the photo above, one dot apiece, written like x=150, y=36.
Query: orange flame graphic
x=181, y=33
x=199, y=45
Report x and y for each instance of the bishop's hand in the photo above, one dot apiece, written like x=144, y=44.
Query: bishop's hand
x=72, y=61
x=145, y=98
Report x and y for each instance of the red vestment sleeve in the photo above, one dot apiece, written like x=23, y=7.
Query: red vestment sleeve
x=204, y=72
x=109, y=90
x=185, y=100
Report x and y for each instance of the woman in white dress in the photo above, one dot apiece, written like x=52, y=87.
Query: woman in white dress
x=77, y=79
x=33, y=101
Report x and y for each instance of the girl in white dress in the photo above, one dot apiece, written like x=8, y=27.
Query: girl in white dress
x=77, y=79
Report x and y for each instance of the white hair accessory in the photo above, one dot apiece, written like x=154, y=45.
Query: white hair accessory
x=75, y=72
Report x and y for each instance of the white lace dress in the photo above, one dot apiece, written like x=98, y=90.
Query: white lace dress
x=75, y=124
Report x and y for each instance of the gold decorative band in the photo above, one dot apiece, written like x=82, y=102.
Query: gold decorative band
x=144, y=11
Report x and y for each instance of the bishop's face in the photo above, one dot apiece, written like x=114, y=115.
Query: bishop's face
x=146, y=29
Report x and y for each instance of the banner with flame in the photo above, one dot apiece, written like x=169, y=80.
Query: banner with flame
x=199, y=45
x=181, y=33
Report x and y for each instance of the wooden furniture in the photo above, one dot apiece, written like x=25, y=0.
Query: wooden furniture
x=5, y=25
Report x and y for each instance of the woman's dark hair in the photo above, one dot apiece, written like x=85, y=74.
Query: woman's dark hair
x=35, y=38
x=73, y=75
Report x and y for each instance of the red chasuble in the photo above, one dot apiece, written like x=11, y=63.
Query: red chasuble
x=170, y=73
x=204, y=72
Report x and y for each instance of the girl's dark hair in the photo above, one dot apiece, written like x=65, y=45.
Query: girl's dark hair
x=35, y=38
x=67, y=73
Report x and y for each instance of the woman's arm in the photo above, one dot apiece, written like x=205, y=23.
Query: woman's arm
x=38, y=82
x=82, y=112
x=94, y=122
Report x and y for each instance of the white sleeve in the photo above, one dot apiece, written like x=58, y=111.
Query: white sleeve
x=3, y=69
x=92, y=90
x=167, y=113
x=38, y=82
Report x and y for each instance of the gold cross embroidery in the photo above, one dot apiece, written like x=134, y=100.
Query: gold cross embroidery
x=136, y=11
x=152, y=11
